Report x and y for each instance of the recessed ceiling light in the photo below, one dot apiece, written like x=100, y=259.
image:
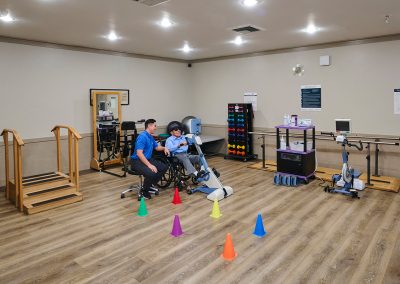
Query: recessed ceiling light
x=186, y=48
x=112, y=36
x=7, y=17
x=311, y=29
x=238, y=40
x=250, y=3
x=166, y=23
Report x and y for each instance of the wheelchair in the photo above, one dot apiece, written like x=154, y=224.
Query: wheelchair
x=175, y=174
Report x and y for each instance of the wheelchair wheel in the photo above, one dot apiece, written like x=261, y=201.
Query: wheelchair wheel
x=166, y=179
x=182, y=173
x=168, y=176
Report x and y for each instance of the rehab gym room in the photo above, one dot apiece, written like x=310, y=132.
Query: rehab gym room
x=200, y=141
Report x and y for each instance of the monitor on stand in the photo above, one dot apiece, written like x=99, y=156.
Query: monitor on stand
x=343, y=126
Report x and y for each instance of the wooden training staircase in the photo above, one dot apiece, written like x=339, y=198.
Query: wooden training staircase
x=42, y=192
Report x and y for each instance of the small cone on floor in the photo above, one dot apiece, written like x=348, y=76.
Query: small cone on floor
x=216, y=213
x=229, y=252
x=259, y=229
x=177, y=198
x=176, y=227
x=142, y=208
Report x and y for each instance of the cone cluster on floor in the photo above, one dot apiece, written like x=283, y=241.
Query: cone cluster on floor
x=229, y=252
x=216, y=213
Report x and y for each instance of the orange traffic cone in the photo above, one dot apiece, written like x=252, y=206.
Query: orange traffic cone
x=229, y=251
x=177, y=198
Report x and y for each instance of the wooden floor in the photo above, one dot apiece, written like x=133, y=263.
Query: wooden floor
x=313, y=236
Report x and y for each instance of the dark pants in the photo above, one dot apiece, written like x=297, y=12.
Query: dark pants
x=150, y=178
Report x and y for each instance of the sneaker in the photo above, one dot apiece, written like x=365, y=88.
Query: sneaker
x=146, y=194
x=154, y=190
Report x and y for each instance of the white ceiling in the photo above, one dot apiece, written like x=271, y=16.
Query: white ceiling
x=205, y=24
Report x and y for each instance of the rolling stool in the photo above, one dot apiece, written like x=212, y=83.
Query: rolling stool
x=138, y=187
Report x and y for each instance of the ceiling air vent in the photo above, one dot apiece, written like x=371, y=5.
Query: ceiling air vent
x=151, y=2
x=246, y=29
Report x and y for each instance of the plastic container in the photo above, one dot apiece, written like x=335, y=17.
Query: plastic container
x=299, y=146
x=283, y=143
x=294, y=119
x=286, y=119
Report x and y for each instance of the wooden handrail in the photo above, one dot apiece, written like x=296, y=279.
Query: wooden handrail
x=73, y=162
x=17, y=143
x=15, y=135
x=73, y=130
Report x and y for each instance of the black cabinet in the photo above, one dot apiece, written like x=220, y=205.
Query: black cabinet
x=296, y=159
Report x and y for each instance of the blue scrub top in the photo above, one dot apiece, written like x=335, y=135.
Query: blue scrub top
x=146, y=143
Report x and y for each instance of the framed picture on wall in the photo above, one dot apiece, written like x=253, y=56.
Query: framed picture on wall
x=123, y=92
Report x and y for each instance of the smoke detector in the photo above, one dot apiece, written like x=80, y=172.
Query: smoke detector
x=298, y=70
x=151, y=2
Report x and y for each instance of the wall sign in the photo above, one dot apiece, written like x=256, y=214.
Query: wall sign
x=311, y=98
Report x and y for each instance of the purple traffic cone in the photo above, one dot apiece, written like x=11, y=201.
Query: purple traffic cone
x=176, y=228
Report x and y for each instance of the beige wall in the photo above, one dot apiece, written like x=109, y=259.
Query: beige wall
x=358, y=85
x=42, y=87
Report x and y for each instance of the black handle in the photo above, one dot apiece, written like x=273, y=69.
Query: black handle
x=359, y=147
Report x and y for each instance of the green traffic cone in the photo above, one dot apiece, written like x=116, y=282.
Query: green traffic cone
x=142, y=212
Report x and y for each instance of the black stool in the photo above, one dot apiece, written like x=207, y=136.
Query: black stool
x=138, y=187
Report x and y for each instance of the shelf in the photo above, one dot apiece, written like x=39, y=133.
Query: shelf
x=295, y=127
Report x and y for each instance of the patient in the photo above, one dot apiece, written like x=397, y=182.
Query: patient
x=178, y=147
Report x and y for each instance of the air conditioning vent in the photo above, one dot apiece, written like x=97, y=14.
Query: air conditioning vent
x=246, y=29
x=151, y=2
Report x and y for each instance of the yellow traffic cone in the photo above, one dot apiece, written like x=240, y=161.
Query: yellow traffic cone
x=216, y=213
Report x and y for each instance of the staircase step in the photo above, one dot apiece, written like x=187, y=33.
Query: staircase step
x=46, y=189
x=43, y=186
x=49, y=195
x=38, y=176
x=56, y=200
x=43, y=179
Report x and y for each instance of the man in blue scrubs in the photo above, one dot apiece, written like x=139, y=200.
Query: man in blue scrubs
x=142, y=161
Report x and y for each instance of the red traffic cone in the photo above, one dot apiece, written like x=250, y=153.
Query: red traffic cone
x=177, y=198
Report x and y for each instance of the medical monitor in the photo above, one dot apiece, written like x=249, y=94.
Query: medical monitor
x=343, y=126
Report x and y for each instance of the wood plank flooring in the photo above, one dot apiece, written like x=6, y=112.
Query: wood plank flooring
x=313, y=236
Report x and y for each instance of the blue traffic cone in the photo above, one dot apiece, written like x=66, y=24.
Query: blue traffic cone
x=259, y=229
